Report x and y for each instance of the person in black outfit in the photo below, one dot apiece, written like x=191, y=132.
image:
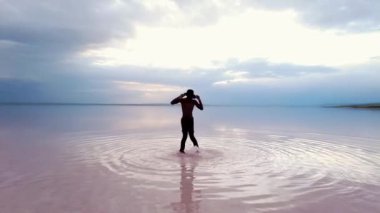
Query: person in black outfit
x=188, y=100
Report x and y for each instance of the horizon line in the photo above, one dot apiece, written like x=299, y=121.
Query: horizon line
x=168, y=104
x=147, y=104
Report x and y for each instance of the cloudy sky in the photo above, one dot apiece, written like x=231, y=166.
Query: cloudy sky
x=288, y=52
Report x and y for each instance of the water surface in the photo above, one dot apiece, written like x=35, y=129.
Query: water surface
x=252, y=159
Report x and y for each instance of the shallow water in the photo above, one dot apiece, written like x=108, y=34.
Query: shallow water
x=125, y=159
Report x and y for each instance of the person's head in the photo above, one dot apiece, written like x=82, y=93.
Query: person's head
x=190, y=93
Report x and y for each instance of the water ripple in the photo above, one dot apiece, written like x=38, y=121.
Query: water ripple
x=261, y=169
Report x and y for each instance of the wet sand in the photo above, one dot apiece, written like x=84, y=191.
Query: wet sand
x=125, y=159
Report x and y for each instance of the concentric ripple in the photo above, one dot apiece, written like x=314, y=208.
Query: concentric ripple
x=261, y=169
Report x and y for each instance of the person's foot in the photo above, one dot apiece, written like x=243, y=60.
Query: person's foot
x=182, y=151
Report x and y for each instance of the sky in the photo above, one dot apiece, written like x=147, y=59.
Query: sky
x=288, y=52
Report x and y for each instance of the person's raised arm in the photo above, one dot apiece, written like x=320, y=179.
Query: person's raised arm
x=177, y=99
x=199, y=102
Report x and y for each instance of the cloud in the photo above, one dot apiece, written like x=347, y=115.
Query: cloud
x=252, y=34
x=148, y=51
x=39, y=42
x=146, y=87
x=13, y=90
x=51, y=32
x=346, y=15
x=68, y=21
x=258, y=72
x=150, y=93
x=263, y=68
x=358, y=84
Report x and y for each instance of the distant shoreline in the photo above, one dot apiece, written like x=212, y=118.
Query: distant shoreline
x=136, y=104
x=82, y=104
x=359, y=106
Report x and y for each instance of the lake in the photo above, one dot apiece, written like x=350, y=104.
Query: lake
x=114, y=158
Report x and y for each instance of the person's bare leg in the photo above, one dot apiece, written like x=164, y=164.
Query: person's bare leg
x=183, y=141
x=193, y=139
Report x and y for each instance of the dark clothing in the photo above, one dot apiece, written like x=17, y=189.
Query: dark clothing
x=187, y=124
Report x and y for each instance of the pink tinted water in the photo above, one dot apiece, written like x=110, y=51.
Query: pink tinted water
x=124, y=159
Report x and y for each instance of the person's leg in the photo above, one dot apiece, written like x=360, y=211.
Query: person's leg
x=183, y=141
x=191, y=132
x=184, y=135
x=193, y=139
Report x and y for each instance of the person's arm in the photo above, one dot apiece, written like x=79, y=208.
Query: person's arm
x=199, y=102
x=177, y=99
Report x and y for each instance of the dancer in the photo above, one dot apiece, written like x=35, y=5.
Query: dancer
x=187, y=120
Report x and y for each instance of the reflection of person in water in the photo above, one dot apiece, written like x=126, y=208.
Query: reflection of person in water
x=187, y=204
x=187, y=121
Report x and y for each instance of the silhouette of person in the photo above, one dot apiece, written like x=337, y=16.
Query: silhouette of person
x=187, y=120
